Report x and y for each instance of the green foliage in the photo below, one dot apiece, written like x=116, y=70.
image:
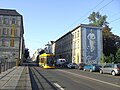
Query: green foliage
x=96, y=19
x=109, y=45
x=111, y=58
x=102, y=60
x=26, y=54
x=117, y=56
x=107, y=59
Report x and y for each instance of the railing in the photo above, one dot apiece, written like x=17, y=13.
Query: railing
x=6, y=64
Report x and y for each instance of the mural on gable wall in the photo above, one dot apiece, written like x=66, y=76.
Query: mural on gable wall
x=91, y=45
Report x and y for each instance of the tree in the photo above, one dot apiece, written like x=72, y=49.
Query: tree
x=111, y=58
x=96, y=19
x=26, y=54
x=102, y=60
x=117, y=41
x=117, y=56
x=109, y=41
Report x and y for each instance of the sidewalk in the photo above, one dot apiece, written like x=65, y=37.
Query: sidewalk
x=16, y=78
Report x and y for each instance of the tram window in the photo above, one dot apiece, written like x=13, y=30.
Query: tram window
x=50, y=61
x=42, y=60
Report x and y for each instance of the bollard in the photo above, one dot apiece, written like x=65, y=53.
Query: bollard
x=3, y=66
x=6, y=65
x=17, y=62
x=10, y=65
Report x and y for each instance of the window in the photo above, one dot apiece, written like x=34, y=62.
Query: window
x=13, y=21
x=5, y=21
x=5, y=31
x=3, y=42
x=75, y=34
x=108, y=66
x=78, y=33
x=118, y=65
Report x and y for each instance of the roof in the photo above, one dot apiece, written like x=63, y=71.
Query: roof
x=46, y=54
x=9, y=12
x=81, y=25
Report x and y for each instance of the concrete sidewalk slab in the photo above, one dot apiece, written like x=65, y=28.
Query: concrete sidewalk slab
x=3, y=74
x=16, y=79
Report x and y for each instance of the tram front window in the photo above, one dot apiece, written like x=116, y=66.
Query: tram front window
x=50, y=61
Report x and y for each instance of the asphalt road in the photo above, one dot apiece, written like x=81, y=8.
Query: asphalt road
x=71, y=79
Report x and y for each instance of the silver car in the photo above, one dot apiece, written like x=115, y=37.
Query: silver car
x=113, y=69
x=72, y=65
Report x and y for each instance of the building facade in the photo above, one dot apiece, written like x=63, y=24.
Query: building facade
x=36, y=53
x=11, y=35
x=82, y=44
x=63, y=47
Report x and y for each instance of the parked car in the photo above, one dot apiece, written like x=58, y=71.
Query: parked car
x=72, y=65
x=65, y=64
x=60, y=62
x=113, y=69
x=81, y=66
x=92, y=67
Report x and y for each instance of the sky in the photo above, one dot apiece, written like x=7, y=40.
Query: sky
x=48, y=20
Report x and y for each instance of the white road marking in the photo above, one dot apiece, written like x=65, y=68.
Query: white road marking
x=90, y=78
x=59, y=86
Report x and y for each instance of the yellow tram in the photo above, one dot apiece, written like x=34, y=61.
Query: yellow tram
x=47, y=60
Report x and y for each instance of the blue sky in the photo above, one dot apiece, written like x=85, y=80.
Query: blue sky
x=46, y=20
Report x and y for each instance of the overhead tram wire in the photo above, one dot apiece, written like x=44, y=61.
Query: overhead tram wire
x=114, y=15
x=87, y=12
x=114, y=20
x=101, y=8
x=91, y=10
x=105, y=5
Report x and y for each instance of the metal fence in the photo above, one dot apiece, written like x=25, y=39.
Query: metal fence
x=6, y=64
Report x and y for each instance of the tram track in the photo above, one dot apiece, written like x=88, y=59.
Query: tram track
x=39, y=81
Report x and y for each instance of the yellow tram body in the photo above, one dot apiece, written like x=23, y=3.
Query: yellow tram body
x=47, y=60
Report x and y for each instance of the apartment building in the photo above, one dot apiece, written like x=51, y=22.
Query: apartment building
x=63, y=47
x=82, y=44
x=11, y=35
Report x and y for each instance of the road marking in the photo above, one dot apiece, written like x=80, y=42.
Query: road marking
x=59, y=86
x=90, y=78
